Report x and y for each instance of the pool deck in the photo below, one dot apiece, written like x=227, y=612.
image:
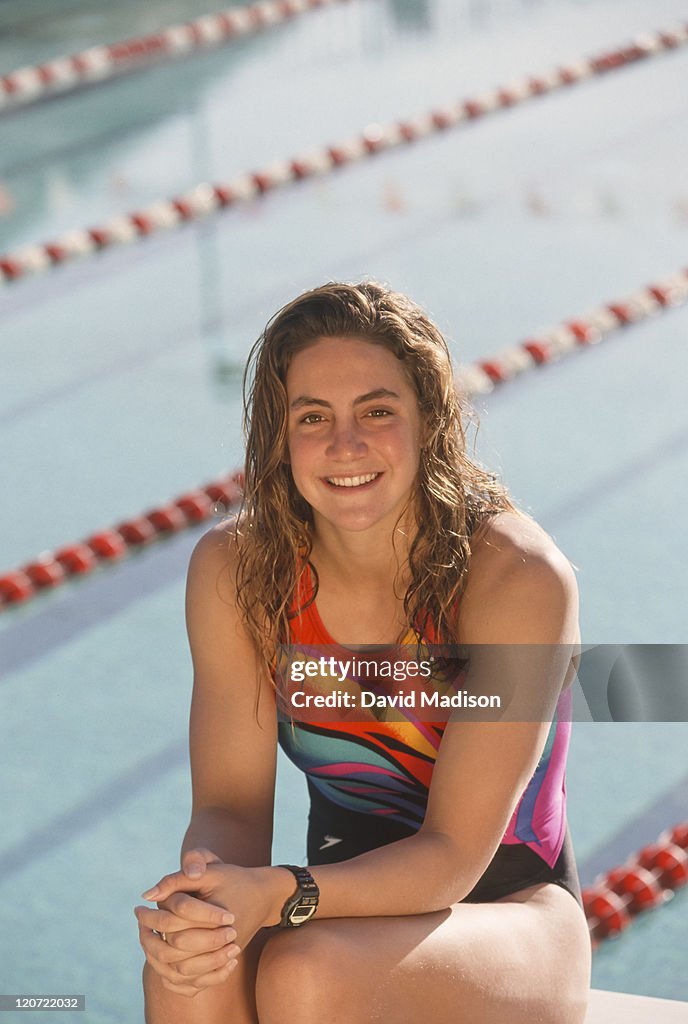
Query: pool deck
x=613, y=1007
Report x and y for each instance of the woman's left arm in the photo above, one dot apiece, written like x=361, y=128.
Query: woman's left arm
x=519, y=615
x=520, y=620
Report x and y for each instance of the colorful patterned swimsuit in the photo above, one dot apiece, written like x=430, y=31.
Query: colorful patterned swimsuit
x=368, y=783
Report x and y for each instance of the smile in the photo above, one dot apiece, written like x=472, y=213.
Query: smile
x=352, y=481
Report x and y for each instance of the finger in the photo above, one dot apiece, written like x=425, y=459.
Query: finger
x=177, y=881
x=192, y=988
x=177, y=946
x=194, y=861
x=160, y=949
x=212, y=971
x=192, y=909
x=201, y=940
x=156, y=948
x=196, y=912
x=205, y=963
x=216, y=977
x=171, y=979
x=186, y=985
x=180, y=990
x=152, y=946
x=200, y=914
x=188, y=965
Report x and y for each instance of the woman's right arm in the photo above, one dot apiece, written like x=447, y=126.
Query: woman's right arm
x=233, y=725
x=233, y=747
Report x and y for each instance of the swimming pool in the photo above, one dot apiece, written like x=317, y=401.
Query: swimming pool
x=121, y=389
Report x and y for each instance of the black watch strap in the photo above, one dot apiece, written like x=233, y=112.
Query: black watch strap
x=300, y=907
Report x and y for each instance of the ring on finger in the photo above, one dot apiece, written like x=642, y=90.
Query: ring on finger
x=160, y=934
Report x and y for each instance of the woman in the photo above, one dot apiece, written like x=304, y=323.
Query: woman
x=447, y=886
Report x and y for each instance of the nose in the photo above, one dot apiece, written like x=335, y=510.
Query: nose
x=346, y=441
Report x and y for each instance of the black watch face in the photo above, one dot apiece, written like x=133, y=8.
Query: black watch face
x=299, y=915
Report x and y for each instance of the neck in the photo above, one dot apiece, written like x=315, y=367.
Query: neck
x=358, y=560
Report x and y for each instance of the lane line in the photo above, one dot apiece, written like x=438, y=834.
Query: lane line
x=62, y=75
x=93, y=809
x=208, y=199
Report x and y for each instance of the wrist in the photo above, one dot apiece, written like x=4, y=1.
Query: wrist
x=278, y=885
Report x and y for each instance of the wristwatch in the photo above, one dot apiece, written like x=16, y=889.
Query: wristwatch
x=300, y=907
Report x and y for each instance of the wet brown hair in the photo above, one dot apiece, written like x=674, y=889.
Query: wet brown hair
x=452, y=497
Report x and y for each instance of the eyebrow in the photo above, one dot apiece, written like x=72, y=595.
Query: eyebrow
x=370, y=396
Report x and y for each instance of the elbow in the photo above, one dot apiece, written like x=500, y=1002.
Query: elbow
x=457, y=872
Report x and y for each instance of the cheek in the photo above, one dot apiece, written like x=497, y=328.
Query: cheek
x=407, y=443
x=298, y=451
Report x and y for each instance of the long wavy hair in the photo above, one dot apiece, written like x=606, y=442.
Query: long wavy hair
x=452, y=495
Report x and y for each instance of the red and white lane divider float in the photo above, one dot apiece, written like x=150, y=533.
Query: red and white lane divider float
x=556, y=342
x=108, y=546
x=63, y=74
x=206, y=199
x=111, y=545
x=647, y=879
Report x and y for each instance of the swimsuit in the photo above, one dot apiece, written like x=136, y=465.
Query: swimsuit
x=368, y=782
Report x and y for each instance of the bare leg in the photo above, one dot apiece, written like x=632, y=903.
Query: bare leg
x=522, y=959
x=232, y=1002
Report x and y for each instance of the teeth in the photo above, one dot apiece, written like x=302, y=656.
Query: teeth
x=351, y=481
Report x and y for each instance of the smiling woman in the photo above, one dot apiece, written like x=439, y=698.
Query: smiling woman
x=379, y=379
x=440, y=871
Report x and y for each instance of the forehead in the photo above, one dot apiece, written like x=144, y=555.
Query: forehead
x=342, y=360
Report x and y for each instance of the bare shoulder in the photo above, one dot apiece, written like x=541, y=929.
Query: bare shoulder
x=221, y=540
x=520, y=585
x=211, y=587
x=217, y=631
x=509, y=539
x=214, y=560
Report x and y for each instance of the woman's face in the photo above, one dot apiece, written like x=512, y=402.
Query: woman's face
x=354, y=432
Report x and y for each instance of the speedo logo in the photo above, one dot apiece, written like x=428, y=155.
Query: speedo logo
x=329, y=841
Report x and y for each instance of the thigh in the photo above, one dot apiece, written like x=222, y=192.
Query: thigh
x=523, y=958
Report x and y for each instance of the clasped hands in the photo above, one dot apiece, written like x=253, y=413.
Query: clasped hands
x=205, y=932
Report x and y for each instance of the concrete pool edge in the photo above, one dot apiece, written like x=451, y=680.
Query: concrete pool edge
x=610, y=1007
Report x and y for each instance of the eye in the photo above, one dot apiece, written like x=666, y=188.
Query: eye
x=379, y=413
x=311, y=418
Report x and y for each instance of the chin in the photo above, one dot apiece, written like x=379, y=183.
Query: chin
x=357, y=522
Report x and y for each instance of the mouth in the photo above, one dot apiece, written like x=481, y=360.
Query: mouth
x=352, y=483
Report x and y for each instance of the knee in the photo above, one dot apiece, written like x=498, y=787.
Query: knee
x=230, y=1002
x=300, y=977
x=163, y=1006
x=158, y=1002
